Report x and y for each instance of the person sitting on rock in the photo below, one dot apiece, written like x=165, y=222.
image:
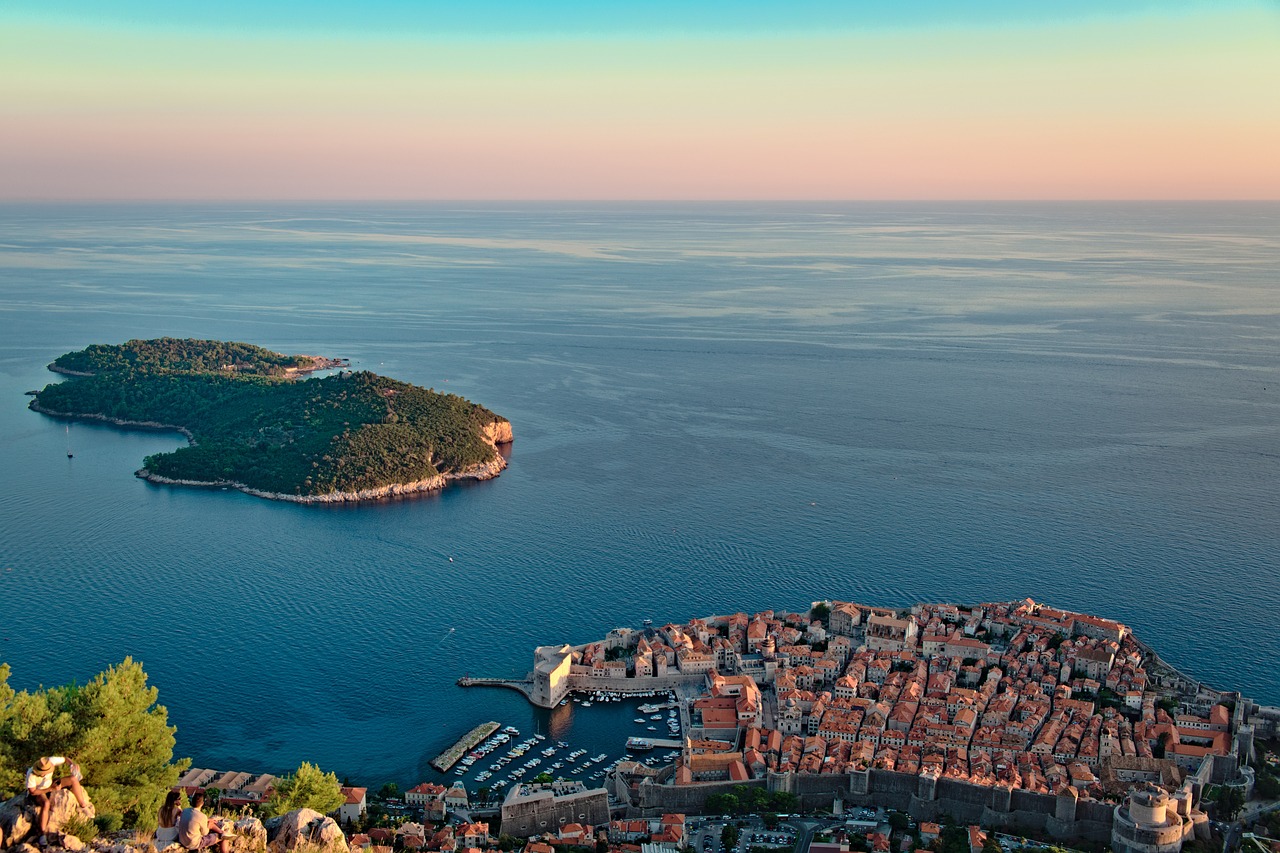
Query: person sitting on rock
x=41, y=788
x=195, y=832
x=167, y=821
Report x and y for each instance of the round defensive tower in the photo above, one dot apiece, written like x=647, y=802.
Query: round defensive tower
x=1149, y=821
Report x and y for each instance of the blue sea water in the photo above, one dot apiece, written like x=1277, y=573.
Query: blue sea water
x=716, y=407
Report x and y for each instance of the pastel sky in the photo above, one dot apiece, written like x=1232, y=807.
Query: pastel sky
x=909, y=99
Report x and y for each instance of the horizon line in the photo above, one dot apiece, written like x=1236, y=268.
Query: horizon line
x=594, y=200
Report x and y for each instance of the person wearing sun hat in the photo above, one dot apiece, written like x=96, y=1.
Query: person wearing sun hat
x=41, y=786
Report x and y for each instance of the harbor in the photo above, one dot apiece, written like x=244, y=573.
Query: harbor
x=507, y=757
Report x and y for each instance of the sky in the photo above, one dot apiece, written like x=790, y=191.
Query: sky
x=909, y=99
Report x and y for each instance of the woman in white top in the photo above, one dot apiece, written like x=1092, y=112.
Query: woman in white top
x=41, y=786
x=167, y=829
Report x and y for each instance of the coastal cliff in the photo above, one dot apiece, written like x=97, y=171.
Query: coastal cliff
x=253, y=424
x=498, y=432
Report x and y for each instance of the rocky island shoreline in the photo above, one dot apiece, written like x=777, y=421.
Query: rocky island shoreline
x=392, y=490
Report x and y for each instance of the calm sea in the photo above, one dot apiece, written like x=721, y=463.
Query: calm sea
x=716, y=407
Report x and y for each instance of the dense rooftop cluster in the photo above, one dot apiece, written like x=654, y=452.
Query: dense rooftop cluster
x=1010, y=693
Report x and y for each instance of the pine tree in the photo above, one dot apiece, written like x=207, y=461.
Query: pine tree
x=308, y=788
x=112, y=727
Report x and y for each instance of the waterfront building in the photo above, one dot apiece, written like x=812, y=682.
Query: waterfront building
x=845, y=617
x=551, y=674
x=886, y=632
x=456, y=797
x=420, y=795
x=236, y=788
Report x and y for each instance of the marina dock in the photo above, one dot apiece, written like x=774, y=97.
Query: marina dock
x=450, y=756
x=658, y=706
x=643, y=743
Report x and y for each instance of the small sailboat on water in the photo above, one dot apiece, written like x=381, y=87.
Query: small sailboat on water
x=70, y=455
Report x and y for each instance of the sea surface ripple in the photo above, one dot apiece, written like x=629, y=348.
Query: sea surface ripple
x=716, y=407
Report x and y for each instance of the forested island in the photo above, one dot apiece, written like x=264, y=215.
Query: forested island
x=253, y=424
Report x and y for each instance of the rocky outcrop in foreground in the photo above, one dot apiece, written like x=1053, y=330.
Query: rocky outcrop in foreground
x=304, y=827
x=299, y=829
x=20, y=818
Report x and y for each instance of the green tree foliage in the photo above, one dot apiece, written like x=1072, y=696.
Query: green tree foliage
x=722, y=804
x=182, y=355
x=751, y=800
x=112, y=727
x=821, y=612
x=743, y=799
x=954, y=839
x=729, y=836
x=1229, y=802
x=86, y=829
x=991, y=845
x=389, y=791
x=1268, y=786
x=256, y=427
x=783, y=801
x=1268, y=783
x=308, y=787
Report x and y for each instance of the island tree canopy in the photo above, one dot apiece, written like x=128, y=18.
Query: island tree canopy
x=183, y=355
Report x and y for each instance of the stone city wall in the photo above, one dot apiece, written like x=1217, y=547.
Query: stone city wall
x=924, y=798
x=813, y=792
x=657, y=800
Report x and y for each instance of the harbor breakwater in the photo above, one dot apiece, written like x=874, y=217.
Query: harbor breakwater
x=450, y=756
